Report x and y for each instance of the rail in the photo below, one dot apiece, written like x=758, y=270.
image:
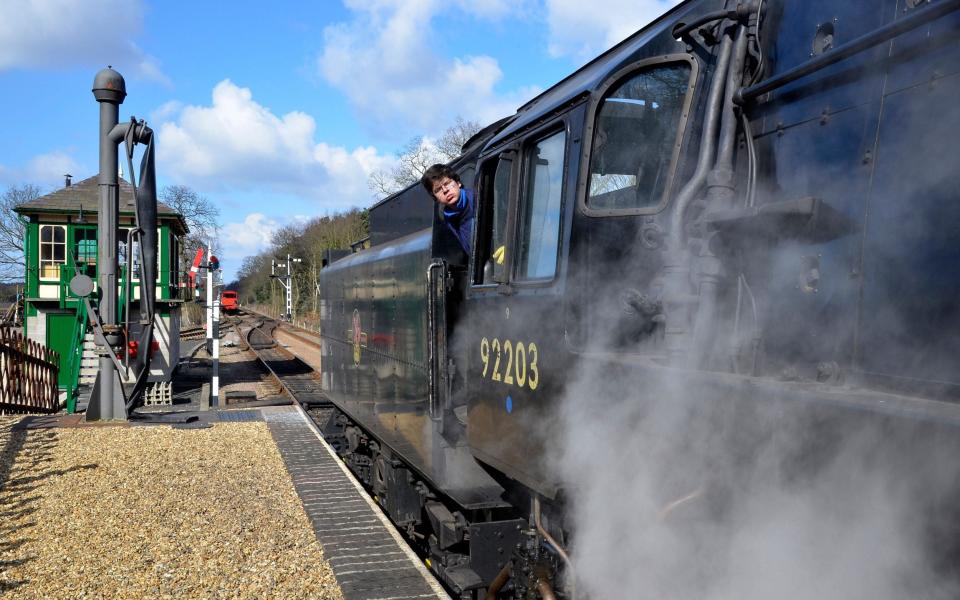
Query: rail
x=28, y=375
x=296, y=377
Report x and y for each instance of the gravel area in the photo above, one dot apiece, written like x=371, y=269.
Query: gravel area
x=155, y=512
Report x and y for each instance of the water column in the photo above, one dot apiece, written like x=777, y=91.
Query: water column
x=108, y=405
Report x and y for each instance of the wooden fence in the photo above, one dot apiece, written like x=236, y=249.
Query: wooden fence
x=28, y=375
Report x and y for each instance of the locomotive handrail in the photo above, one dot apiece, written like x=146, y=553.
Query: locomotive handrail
x=436, y=362
x=874, y=38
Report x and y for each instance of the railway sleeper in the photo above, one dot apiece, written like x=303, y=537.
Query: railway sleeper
x=467, y=550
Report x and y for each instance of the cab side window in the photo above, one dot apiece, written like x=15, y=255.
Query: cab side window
x=491, y=247
x=634, y=138
x=540, y=218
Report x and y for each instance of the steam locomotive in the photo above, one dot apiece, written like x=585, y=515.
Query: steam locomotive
x=719, y=353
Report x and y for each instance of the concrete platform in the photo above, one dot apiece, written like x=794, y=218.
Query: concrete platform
x=369, y=558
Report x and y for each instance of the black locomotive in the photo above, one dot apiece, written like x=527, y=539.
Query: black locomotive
x=707, y=342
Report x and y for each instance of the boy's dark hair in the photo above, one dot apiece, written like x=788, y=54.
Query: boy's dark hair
x=435, y=173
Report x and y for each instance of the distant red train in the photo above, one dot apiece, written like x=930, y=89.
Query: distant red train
x=229, y=302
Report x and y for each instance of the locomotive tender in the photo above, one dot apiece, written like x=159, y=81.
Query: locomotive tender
x=732, y=234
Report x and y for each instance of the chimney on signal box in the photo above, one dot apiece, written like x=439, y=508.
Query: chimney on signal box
x=67, y=180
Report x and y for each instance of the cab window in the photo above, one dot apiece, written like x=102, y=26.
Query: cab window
x=540, y=219
x=491, y=247
x=634, y=138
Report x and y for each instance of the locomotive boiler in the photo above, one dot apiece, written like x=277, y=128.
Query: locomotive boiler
x=708, y=329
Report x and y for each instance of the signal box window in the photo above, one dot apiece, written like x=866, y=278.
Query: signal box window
x=634, y=138
x=53, y=250
x=492, y=224
x=540, y=221
x=85, y=245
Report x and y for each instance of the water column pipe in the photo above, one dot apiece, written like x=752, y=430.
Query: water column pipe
x=108, y=402
x=109, y=89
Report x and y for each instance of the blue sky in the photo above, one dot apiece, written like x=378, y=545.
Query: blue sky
x=279, y=111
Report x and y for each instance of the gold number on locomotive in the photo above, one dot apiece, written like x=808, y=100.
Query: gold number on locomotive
x=521, y=370
x=534, y=380
x=485, y=355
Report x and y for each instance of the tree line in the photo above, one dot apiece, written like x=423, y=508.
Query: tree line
x=307, y=241
x=311, y=241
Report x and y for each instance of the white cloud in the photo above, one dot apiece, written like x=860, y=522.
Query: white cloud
x=166, y=111
x=149, y=68
x=51, y=167
x=239, y=144
x=583, y=34
x=385, y=63
x=248, y=237
x=493, y=9
x=46, y=170
x=61, y=33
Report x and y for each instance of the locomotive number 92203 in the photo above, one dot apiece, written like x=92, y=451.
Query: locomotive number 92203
x=511, y=363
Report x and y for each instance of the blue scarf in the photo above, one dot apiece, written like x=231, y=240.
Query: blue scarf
x=456, y=211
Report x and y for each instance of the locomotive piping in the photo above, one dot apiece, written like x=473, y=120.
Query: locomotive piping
x=499, y=581
x=546, y=592
x=742, y=11
x=728, y=126
x=878, y=36
x=707, y=148
x=674, y=504
x=676, y=268
x=556, y=546
x=720, y=195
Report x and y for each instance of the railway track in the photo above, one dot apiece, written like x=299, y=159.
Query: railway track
x=298, y=378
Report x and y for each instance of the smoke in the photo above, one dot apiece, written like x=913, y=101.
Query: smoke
x=703, y=486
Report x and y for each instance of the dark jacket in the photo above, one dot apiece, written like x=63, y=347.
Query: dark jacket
x=459, y=219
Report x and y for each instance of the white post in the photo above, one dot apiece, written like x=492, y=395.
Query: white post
x=289, y=292
x=215, y=384
x=209, y=306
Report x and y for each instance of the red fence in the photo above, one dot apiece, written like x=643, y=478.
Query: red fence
x=28, y=375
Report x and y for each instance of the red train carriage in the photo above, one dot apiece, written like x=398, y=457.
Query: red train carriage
x=229, y=302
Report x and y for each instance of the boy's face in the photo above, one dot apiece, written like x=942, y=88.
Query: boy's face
x=446, y=191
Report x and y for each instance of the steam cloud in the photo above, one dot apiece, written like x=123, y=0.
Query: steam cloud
x=679, y=491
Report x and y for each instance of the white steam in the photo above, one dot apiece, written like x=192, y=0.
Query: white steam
x=677, y=491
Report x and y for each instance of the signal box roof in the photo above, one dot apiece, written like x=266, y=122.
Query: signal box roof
x=84, y=196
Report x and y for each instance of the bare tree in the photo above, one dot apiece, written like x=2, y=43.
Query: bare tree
x=198, y=211
x=13, y=231
x=417, y=155
x=450, y=145
x=202, y=217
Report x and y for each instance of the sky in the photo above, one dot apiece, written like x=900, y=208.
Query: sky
x=279, y=111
